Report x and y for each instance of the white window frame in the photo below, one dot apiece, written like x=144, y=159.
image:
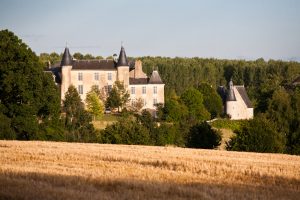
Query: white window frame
x=109, y=88
x=80, y=76
x=154, y=101
x=154, y=89
x=132, y=90
x=96, y=76
x=109, y=76
x=144, y=90
x=80, y=89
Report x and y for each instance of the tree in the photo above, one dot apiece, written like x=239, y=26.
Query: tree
x=118, y=96
x=24, y=103
x=174, y=111
x=88, y=57
x=125, y=131
x=193, y=99
x=258, y=135
x=78, y=120
x=204, y=136
x=78, y=56
x=94, y=104
x=211, y=100
x=280, y=110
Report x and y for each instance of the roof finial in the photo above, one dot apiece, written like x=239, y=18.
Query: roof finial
x=121, y=43
x=66, y=44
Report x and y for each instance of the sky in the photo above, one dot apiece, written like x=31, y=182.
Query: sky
x=226, y=29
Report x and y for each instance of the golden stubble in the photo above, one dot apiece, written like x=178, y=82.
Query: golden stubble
x=61, y=170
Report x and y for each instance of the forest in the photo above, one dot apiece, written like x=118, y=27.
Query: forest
x=191, y=86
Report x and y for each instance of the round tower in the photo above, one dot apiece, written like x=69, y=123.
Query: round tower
x=66, y=67
x=123, y=68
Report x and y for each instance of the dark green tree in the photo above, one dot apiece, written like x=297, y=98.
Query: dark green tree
x=258, y=135
x=193, y=99
x=25, y=102
x=77, y=120
x=211, y=100
x=204, y=136
x=118, y=96
x=125, y=131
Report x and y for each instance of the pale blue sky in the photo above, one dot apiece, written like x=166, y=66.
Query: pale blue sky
x=205, y=28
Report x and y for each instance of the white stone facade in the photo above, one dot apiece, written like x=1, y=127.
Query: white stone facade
x=103, y=73
x=238, y=105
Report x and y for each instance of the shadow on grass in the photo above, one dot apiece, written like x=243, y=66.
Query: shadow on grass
x=44, y=186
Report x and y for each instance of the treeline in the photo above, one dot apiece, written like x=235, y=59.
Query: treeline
x=30, y=107
x=259, y=77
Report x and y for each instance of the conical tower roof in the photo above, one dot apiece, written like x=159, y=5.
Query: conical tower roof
x=230, y=93
x=67, y=58
x=155, y=78
x=122, y=61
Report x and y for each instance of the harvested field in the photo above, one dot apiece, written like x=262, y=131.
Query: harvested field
x=57, y=170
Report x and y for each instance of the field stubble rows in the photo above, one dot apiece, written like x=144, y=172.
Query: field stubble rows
x=55, y=170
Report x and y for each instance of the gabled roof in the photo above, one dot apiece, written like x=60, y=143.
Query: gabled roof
x=94, y=65
x=67, y=58
x=122, y=61
x=243, y=93
x=155, y=78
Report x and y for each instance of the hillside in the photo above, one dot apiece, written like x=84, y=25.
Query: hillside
x=54, y=170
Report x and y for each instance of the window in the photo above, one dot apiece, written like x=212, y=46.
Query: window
x=145, y=102
x=132, y=90
x=80, y=76
x=144, y=89
x=109, y=87
x=109, y=76
x=154, y=102
x=96, y=76
x=80, y=89
x=133, y=103
x=155, y=90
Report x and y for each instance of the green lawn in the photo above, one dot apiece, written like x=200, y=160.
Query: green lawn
x=106, y=119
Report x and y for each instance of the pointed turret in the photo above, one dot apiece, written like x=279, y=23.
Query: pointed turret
x=122, y=61
x=230, y=93
x=155, y=78
x=67, y=58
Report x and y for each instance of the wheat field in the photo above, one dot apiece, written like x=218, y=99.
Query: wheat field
x=57, y=170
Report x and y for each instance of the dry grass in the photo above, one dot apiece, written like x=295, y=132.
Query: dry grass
x=226, y=135
x=53, y=170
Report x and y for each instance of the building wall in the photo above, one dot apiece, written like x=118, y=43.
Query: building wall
x=71, y=77
x=238, y=109
x=150, y=97
x=88, y=80
x=65, y=81
x=123, y=75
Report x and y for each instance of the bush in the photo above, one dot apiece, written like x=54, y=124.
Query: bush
x=125, y=131
x=258, y=135
x=204, y=136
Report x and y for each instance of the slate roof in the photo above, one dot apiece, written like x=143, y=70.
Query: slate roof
x=94, y=65
x=137, y=81
x=230, y=95
x=155, y=78
x=67, y=58
x=56, y=71
x=243, y=93
x=122, y=61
